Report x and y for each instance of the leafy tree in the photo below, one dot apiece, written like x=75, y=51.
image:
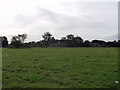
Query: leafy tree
x=4, y=41
x=67, y=41
x=86, y=43
x=70, y=37
x=22, y=37
x=78, y=41
x=47, y=38
x=96, y=43
x=118, y=43
x=18, y=41
x=16, y=44
x=53, y=40
x=112, y=44
x=63, y=38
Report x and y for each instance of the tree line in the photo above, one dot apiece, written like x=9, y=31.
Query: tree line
x=49, y=41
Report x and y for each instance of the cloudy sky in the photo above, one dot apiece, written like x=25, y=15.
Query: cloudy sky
x=96, y=19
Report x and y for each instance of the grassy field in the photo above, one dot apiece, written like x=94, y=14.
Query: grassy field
x=60, y=68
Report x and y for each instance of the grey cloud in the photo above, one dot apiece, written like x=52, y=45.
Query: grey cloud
x=112, y=37
x=24, y=21
x=65, y=21
x=46, y=14
x=61, y=24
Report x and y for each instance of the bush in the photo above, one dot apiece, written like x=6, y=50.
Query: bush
x=16, y=44
x=10, y=46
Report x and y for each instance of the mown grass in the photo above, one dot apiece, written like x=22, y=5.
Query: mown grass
x=60, y=68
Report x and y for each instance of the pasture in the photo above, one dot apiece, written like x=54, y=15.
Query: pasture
x=60, y=68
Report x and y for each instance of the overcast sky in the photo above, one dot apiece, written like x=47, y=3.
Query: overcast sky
x=90, y=20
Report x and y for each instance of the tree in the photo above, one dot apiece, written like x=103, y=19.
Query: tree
x=118, y=43
x=78, y=41
x=63, y=38
x=18, y=41
x=112, y=44
x=16, y=44
x=52, y=40
x=67, y=41
x=86, y=43
x=70, y=37
x=98, y=43
x=47, y=38
x=71, y=41
x=22, y=37
x=4, y=41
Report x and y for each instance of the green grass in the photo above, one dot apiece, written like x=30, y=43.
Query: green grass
x=60, y=68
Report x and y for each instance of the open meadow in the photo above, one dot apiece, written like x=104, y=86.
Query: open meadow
x=60, y=67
